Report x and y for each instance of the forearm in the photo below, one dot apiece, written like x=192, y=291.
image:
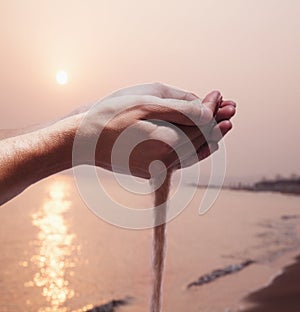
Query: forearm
x=28, y=158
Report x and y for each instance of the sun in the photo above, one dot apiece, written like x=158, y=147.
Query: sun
x=62, y=77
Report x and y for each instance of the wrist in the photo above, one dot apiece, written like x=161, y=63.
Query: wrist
x=28, y=158
x=57, y=145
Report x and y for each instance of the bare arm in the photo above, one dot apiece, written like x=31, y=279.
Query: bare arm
x=30, y=157
x=31, y=154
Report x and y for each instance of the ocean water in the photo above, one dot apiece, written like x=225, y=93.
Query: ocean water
x=56, y=255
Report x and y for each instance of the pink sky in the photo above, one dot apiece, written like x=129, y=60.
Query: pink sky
x=249, y=50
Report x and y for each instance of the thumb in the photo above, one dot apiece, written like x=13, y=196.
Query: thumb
x=213, y=101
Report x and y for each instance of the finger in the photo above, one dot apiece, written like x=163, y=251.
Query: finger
x=225, y=112
x=210, y=105
x=220, y=130
x=181, y=140
x=225, y=103
x=143, y=89
x=213, y=101
x=156, y=89
x=188, y=144
x=207, y=150
x=182, y=112
x=170, y=92
x=217, y=133
x=198, y=137
x=190, y=133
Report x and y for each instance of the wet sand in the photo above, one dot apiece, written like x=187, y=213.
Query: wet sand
x=56, y=255
x=283, y=294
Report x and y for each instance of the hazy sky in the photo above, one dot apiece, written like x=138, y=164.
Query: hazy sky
x=249, y=50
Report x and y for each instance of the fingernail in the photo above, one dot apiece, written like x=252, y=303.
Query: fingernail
x=216, y=96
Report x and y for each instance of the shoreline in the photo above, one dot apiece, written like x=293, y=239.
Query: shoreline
x=281, y=293
x=282, y=186
x=248, y=189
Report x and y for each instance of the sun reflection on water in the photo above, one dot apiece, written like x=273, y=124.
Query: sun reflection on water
x=54, y=248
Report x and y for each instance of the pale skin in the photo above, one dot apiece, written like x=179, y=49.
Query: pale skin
x=31, y=154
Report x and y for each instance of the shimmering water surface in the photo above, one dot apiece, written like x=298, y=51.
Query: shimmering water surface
x=56, y=255
x=55, y=245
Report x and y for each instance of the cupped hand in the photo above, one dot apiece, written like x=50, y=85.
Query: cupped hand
x=145, y=123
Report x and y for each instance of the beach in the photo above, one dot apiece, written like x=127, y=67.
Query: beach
x=57, y=255
x=281, y=295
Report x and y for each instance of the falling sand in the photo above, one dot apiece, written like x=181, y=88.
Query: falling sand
x=162, y=188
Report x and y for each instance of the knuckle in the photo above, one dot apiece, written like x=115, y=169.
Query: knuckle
x=160, y=88
x=158, y=85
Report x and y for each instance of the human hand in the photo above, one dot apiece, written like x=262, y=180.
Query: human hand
x=132, y=108
x=41, y=151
